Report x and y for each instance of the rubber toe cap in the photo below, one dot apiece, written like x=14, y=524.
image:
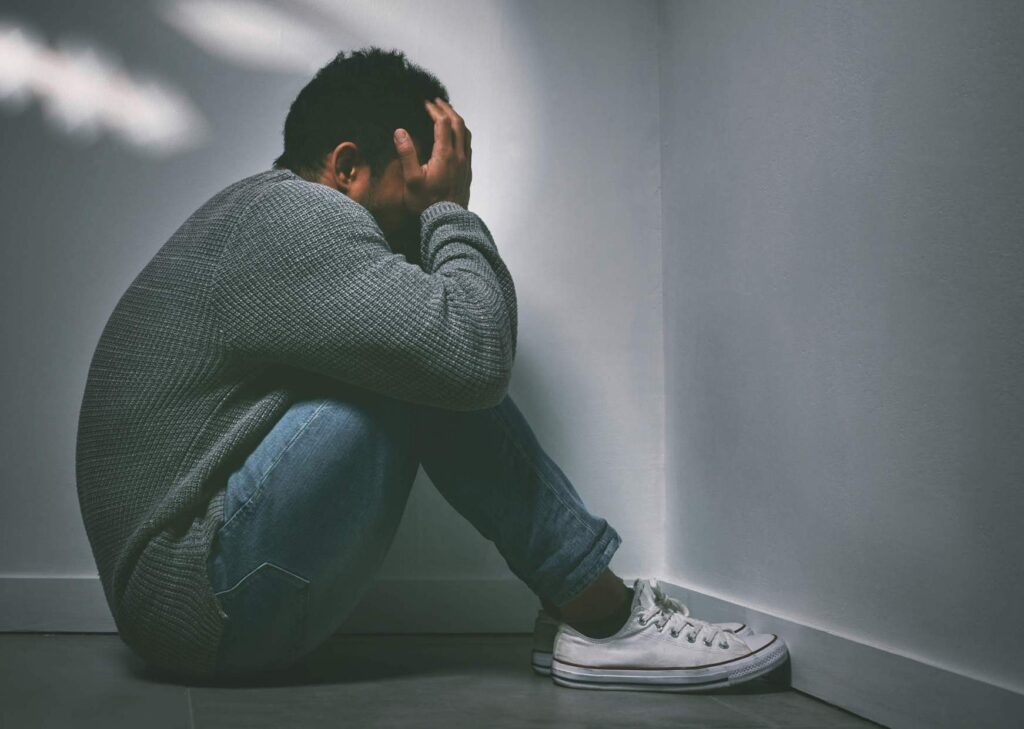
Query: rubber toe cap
x=759, y=640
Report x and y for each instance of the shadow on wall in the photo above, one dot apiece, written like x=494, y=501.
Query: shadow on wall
x=85, y=90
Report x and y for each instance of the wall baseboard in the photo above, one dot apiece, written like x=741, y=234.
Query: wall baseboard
x=53, y=604
x=891, y=689
x=885, y=687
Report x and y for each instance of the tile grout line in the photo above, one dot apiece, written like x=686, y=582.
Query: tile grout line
x=761, y=720
x=191, y=715
x=848, y=714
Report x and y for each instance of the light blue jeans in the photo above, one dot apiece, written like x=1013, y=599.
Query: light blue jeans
x=311, y=513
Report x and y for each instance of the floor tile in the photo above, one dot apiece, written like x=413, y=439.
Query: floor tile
x=791, y=709
x=449, y=681
x=82, y=681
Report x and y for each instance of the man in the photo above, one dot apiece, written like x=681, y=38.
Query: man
x=265, y=390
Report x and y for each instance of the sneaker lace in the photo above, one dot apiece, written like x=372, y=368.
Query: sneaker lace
x=674, y=613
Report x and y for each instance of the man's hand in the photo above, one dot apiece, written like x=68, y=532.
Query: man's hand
x=448, y=173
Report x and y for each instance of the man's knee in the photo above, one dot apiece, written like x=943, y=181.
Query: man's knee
x=369, y=417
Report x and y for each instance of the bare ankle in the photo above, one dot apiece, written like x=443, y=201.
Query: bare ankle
x=607, y=598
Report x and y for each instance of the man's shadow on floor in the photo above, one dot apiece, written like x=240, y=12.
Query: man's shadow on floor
x=361, y=658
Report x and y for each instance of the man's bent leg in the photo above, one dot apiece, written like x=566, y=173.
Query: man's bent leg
x=489, y=466
x=309, y=517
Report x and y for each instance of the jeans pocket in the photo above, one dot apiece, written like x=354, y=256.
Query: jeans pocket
x=266, y=621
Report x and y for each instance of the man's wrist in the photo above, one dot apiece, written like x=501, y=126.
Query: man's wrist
x=439, y=208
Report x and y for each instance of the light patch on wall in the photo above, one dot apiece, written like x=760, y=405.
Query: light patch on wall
x=250, y=34
x=84, y=91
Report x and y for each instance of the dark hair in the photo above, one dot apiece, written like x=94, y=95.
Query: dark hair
x=362, y=98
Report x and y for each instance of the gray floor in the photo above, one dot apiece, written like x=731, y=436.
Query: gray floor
x=84, y=681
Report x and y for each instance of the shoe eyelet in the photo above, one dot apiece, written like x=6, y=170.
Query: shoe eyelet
x=707, y=643
x=723, y=644
x=674, y=633
x=641, y=621
x=691, y=638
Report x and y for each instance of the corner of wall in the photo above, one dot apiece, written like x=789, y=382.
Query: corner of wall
x=663, y=562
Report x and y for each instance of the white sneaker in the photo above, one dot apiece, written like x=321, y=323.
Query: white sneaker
x=661, y=648
x=546, y=625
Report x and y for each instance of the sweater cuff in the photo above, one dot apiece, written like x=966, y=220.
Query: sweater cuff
x=437, y=209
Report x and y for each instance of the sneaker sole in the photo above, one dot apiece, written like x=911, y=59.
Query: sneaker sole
x=734, y=672
x=541, y=663
x=541, y=660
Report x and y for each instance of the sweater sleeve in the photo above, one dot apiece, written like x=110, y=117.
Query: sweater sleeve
x=308, y=279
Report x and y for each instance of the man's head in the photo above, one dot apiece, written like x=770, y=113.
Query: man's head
x=339, y=130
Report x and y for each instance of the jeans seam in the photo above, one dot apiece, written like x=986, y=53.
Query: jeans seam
x=540, y=474
x=277, y=459
x=256, y=569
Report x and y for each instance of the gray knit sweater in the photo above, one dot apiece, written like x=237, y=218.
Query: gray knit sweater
x=273, y=289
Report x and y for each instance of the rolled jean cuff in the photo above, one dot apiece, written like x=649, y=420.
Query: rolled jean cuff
x=590, y=567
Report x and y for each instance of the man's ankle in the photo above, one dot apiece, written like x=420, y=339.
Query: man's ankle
x=551, y=609
x=603, y=600
x=607, y=626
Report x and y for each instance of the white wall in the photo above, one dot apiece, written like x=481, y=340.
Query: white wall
x=843, y=274
x=565, y=174
x=567, y=122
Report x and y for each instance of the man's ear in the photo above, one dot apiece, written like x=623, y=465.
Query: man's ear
x=340, y=166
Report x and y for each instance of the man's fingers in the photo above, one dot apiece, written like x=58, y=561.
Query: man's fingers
x=442, y=129
x=407, y=155
x=458, y=127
